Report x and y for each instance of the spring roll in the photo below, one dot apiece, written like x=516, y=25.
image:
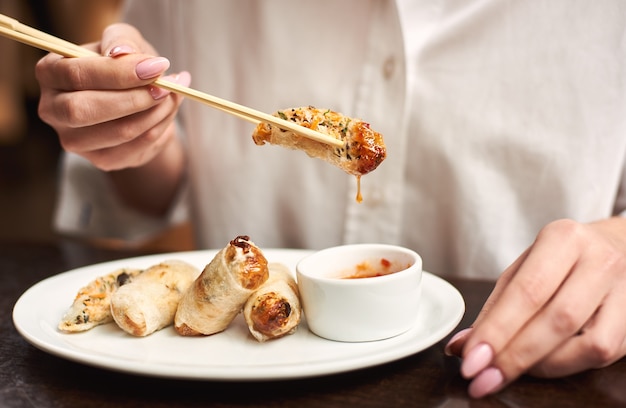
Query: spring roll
x=274, y=309
x=364, y=149
x=150, y=301
x=91, y=306
x=219, y=293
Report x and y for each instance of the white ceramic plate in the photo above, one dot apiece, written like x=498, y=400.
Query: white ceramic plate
x=231, y=355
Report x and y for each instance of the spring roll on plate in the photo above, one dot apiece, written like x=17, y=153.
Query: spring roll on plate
x=150, y=301
x=274, y=309
x=91, y=306
x=219, y=293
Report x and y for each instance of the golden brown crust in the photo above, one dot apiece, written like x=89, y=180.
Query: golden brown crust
x=185, y=330
x=274, y=310
x=364, y=149
x=270, y=312
x=254, y=269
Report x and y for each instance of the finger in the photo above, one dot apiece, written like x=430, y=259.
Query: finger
x=88, y=108
x=118, y=131
x=589, y=283
x=601, y=342
x=93, y=107
x=503, y=282
x=547, y=265
x=95, y=73
x=136, y=152
x=563, y=317
x=120, y=39
x=457, y=342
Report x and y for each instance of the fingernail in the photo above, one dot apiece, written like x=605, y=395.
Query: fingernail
x=476, y=360
x=157, y=93
x=152, y=67
x=184, y=79
x=120, y=50
x=451, y=349
x=488, y=381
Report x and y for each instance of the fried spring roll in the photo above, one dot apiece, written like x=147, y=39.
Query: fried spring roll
x=92, y=304
x=150, y=301
x=219, y=293
x=363, y=150
x=274, y=309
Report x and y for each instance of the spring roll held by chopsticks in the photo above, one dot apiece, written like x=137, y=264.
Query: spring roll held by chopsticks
x=362, y=151
x=150, y=301
x=219, y=293
x=274, y=309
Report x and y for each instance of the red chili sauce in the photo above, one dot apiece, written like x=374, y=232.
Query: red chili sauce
x=371, y=269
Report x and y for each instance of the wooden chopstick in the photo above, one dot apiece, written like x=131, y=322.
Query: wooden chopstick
x=12, y=28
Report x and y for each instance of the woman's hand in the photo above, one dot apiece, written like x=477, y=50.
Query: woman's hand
x=557, y=310
x=106, y=110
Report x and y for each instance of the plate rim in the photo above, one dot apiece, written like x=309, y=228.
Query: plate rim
x=455, y=304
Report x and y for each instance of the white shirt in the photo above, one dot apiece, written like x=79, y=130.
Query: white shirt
x=498, y=117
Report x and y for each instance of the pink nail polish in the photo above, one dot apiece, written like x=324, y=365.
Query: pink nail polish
x=157, y=93
x=476, y=360
x=152, y=67
x=449, y=350
x=184, y=78
x=488, y=381
x=120, y=50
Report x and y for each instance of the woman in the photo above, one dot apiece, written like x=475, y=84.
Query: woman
x=504, y=129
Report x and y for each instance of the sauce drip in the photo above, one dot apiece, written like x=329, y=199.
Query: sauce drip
x=359, y=197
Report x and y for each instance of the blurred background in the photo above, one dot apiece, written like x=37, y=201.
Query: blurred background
x=29, y=149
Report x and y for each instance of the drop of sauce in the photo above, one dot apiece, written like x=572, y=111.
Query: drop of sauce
x=359, y=197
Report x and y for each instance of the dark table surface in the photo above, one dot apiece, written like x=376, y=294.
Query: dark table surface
x=32, y=378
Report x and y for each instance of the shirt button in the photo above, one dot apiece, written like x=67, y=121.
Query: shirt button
x=389, y=67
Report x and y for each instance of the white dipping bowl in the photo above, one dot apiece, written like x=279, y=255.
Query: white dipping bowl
x=341, y=308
